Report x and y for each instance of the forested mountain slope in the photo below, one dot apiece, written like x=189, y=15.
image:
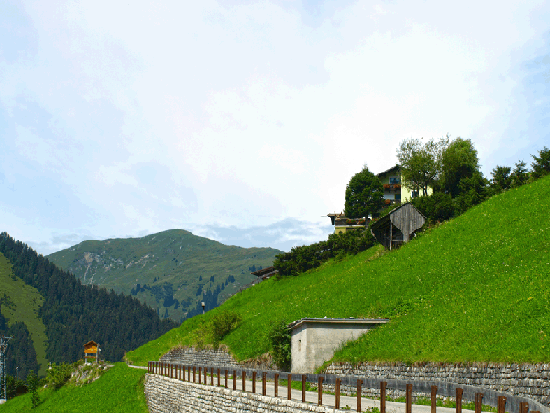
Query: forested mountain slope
x=73, y=313
x=19, y=307
x=171, y=271
x=475, y=288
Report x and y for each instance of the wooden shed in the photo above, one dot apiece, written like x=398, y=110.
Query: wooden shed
x=91, y=351
x=398, y=226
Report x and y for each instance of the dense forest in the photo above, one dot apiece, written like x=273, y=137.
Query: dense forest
x=74, y=314
x=22, y=355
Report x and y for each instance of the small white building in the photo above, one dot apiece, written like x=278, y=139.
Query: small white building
x=314, y=340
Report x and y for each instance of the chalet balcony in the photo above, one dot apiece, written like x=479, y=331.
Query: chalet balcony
x=392, y=187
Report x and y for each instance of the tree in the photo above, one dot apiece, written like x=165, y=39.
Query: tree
x=541, y=166
x=458, y=160
x=502, y=179
x=472, y=191
x=420, y=163
x=519, y=175
x=32, y=385
x=364, y=194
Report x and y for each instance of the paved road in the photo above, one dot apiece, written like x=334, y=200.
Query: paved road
x=328, y=399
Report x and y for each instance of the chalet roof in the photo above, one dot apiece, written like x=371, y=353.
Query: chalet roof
x=389, y=170
x=265, y=272
x=91, y=343
x=297, y=323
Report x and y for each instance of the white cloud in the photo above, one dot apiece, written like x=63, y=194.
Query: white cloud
x=249, y=113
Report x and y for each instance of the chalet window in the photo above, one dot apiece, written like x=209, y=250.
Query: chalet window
x=414, y=194
x=394, y=180
x=398, y=197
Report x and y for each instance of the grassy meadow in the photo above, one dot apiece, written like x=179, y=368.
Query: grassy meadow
x=119, y=390
x=474, y=289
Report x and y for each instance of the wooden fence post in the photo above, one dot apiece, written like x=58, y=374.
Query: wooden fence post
x=276, y=384
x=434, y=399
x=303, y=388
x=264, y=379
x=244, y=380
x=479, y=397
x=501, y=404
x=359, y=382
x=226, y=378
x=212, y=376
x=234, y=379
x=383, y=396
x=408, y=398
x=289, y=392
x=218, y=377
x=205, y=371
x=524, y=407
x=320, y=391
x=194, y=372
x=253, y=382
x=337, y=394
x=200, y=375
x=459, y=392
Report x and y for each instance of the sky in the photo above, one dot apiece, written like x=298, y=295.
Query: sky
x=243, y=121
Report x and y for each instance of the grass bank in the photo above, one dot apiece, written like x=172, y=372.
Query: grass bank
x=474, y=289
x=119, y=390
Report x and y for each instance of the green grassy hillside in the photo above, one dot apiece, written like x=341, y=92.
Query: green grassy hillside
x=119, y=390
x=172, y=271
x=473, y=289
x=20, y=303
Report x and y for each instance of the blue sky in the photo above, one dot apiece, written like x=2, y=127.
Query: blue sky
x=244, y=121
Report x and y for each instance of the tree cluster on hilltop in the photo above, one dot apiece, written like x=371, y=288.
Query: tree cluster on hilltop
x=450, y=168
x=74, y=314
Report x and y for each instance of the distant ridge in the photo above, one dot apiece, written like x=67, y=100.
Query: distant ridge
x=172, y=271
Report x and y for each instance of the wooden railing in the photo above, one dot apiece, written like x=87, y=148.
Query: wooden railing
x=199, y=375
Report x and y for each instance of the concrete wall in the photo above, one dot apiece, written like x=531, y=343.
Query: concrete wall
x=165, y=395
x=313, y=343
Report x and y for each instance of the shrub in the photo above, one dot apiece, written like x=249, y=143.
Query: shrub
x=58, y=374
x=301, y=259
x=15, y=386
x=222, y=323
x=279, y=336
x=32, y=385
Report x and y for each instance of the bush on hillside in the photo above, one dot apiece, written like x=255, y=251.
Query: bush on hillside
x=301, y=259
x=59, y=374
x=280, y=337
x=15, y=386
x=222, y=323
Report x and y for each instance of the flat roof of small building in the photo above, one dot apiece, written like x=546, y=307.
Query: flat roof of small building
x=298, y=323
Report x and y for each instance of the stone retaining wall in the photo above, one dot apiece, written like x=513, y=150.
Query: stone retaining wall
x=524, y=380
x=190, y=356
x=213, y=358
x=165, y=395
